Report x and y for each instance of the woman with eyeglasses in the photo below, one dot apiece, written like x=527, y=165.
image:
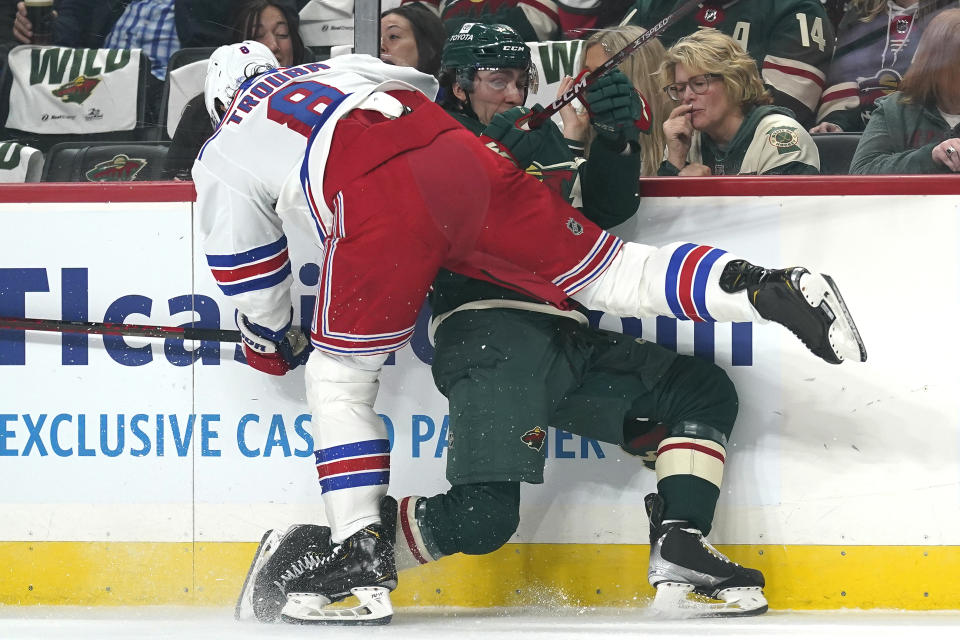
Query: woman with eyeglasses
x=724, y=122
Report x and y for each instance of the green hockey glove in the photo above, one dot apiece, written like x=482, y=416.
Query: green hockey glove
x=617, y=111
x=521, y=146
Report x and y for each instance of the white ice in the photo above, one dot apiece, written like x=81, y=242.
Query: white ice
x=196, y=623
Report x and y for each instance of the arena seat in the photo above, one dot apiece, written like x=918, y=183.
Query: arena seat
x=109, y=161
x=50, y=95
x=19, y=163
x=836, y=151
x=186, y=71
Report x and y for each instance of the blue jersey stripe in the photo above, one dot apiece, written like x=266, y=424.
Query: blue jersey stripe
x=364, y=448
x=253, y=255
x=305, y=165
x=259, y=283
x=700, y=282
x=355, y=480
x=673, y=279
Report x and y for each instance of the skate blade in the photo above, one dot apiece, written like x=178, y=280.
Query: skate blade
x=846, y=330
x=820, y=290
x=677, y=600
x=268, y=544
x=310, y=608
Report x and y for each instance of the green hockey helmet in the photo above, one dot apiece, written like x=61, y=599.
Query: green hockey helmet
x=487, y=46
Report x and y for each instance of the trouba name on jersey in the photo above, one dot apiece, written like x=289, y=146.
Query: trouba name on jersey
x=72, y=302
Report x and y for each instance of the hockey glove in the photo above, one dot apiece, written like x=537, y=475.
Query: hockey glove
x=273, y=352
x=617, y=111
x=519, y=145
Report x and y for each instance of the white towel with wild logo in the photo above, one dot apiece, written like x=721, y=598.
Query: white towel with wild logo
x=58, y=90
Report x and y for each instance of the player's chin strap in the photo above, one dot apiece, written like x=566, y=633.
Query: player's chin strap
x=310, y=608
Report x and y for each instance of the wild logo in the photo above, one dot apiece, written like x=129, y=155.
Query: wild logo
x=121, y=168
x=534, y=438
x=559, y=177
x=785, y=139
x=77, y=90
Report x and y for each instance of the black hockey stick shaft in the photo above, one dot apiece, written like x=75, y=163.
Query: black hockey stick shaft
x=114, y=329
x=584, y=81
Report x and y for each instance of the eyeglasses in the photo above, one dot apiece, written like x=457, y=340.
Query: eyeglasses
x=697, y=84
x=501, y=84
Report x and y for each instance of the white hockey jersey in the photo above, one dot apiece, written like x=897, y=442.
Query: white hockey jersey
x=253, y=169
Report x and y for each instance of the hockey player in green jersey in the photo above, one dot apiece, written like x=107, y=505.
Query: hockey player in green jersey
x=791, y=42
x=723, y=123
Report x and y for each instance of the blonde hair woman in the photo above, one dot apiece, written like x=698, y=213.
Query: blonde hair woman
x=725, y=122
x=640, y=68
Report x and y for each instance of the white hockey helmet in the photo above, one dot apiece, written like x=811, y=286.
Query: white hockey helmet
x=229, y=67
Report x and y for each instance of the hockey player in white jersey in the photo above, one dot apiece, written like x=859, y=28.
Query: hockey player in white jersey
x=359, y=153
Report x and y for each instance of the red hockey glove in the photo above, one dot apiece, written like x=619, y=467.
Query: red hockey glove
x=273, y=352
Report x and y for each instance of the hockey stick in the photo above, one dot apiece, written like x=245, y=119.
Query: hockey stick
x=112, y=329
x=534, y=120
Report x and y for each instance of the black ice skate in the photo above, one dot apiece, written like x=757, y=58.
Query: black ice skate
x=692, y=578
x=363, y=566
x=808, y=304
x=281, y=557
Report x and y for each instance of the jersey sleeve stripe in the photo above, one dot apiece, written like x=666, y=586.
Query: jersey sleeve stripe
x=237, y=274
x=256, y=284
x=247, y=257
x=839, y=97
x=801, y=81
x=548, y=9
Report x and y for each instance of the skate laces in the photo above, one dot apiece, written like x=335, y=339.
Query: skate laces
x=307, y=562
x=706, y=545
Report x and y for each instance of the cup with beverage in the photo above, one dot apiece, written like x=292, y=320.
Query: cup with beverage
x=40, y=15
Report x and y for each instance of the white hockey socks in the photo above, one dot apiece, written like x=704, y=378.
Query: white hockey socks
x=352, y=447
x=680, y=280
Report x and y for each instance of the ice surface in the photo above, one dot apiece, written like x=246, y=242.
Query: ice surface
x=189, y=623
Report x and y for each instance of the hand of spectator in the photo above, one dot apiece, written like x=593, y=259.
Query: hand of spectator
x=679, y=131
x=575, y=124
x=826, y=127
x=947, y=153
x=22, y=28
x=695, y=170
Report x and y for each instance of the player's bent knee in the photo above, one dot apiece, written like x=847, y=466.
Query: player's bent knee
x=491, y=515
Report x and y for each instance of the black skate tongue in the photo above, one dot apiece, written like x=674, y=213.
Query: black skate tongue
x=654, y=505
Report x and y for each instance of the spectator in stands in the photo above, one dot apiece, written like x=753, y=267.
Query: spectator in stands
x=791, y=42
x=8, y=14
x=876, y=42
x=533, y=19
x=274, y=23
x=579, y=18
x=640, y=67
x=112, y=24
x=725, y=123
x=412, y=36
x=917, y=129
